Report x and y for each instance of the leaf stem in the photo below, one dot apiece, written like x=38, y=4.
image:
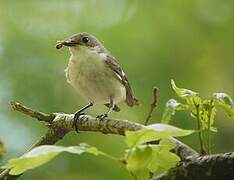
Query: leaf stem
x=109, y=156
x=133, y=175
x=200, y=133
x=209, y=125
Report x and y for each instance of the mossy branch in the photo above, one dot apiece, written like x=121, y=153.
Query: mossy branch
x=60, y=124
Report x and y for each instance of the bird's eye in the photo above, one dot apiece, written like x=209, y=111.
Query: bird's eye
x=85, y=39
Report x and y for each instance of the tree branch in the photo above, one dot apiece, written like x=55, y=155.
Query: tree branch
x=217, y=166
x=60, y=124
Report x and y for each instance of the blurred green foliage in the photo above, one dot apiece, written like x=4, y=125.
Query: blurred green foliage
x=155, y=41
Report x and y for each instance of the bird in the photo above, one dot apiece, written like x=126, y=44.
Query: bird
x=96, y=75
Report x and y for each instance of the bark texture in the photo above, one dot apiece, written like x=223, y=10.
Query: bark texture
x=209, y=167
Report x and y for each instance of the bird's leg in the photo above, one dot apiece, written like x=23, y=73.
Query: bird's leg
x=111, y=107
x=78, y=114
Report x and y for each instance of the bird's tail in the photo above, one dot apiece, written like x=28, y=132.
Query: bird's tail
x=136, y=101
x=132, y=101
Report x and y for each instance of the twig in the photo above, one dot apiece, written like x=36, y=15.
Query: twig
x=30, y=112
x=153, y=105
x=2, y=149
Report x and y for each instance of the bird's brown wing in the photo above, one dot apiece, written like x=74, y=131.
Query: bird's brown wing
x=111, y=62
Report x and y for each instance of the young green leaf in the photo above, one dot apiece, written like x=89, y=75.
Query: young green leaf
x=224, y=98
x=153, y=132
x=138, y=158
x=162, y=160
x=213, y=129
x=167, y=144
x=154, y=158
x=225, y=101
x=169, y=111
x=182, y=92
x=171, y=106
x=42, y=154
x=208, y=112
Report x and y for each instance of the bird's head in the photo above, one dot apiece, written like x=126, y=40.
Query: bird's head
x=80, y=41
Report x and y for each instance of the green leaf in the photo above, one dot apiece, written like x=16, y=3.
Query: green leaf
x=162, y=160
x=42, y=154
x=165, y=130
x=213, y=129
x=225, y=101
x=138, y=158
x=171, y=106
x=166, y=144
x=153, y=132
x=182, y=92
x=207, y=112
x=169, y=110
x=224, y=98
x=154, y=158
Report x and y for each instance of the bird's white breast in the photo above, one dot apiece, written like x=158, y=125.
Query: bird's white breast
x=92, y=78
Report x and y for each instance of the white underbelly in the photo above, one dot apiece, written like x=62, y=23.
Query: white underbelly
x=95, y=81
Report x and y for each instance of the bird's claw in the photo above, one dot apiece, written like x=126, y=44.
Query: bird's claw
x=75, y=119
x=102, y=116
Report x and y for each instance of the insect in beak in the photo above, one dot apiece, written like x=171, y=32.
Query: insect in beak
x=68, y=43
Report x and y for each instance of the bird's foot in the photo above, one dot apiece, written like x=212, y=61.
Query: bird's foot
x=75, y=119
x=101, y=117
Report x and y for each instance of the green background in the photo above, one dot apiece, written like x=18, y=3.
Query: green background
x=191, y=42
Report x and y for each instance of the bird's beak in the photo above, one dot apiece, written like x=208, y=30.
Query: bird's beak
x=69, y=43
